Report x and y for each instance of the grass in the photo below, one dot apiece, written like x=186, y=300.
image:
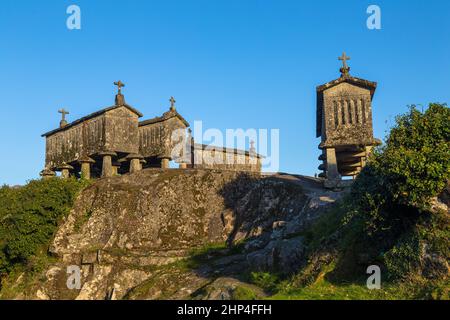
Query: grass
x=324, y=290
x=243, y=293
x=22, y=279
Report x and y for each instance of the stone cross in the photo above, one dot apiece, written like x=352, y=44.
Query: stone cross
x=344, y=59
x=119, y=85
x=63, y=113
x=172, y=103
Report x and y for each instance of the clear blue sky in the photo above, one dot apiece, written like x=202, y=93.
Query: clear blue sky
x=230, y=63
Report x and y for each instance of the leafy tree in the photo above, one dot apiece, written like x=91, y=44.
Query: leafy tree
x=390, y=216
x=29, y=216
x=405, y=173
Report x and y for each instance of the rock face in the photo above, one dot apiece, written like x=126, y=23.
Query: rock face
x=132, y=236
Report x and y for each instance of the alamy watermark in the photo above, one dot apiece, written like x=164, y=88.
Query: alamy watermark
x=74, y=277
x=374, y=19
x=374, y=280
x=73, y=22
x=229, y=148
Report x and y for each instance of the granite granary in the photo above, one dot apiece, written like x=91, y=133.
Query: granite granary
x=113, y=141
x=344, y=124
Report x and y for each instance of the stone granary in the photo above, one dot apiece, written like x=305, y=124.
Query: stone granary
x=344, y=123
x=113, y=141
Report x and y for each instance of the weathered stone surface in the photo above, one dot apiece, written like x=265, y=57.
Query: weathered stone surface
x=131, y=232
x=344, y=123
x=89, y=258
x=225, y=289
x=284, y=256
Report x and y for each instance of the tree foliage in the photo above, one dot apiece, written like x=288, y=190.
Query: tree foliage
x=29, y=216
x=411, y=168
x=390, y=200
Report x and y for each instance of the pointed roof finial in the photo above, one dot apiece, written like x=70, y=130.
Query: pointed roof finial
x=120, y=99
x=345, y=68
x=63, y=121
x=172, y=103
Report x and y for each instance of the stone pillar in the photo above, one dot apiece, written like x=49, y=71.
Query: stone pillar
x=107, y=166
x=333, y=176
x=65, y=170
x=182, y=165
x=135, y=165
x=165, y=163
x=115, y=168
x=86, y=167
x=107, y=170
x=47, y=174
x=86, y=170
x=135, y=162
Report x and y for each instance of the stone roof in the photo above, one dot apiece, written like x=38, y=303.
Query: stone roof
x=166, y=116
x=90, y=116
x=370, y=85
x=349, y=79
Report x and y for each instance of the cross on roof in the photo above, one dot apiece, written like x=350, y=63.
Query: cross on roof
x=344, y=59
x=63, y=113
x=172, y=103
x=119, y=85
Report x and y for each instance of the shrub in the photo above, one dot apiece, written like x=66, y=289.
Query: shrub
x=390, y=199
x=403, y=258
x=403, y=175
x=29, y=216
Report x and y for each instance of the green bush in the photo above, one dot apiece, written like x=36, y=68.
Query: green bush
x=404, y=258
x=407, y=171
x=29, y=216
x=416, y=157
x=391, y=197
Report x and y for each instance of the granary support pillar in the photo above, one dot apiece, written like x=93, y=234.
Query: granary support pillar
x=165, y=163
x=65, y=170
x=135, y=162
x=107, y=170
x=86, y=167
x=183, y=162
x=333, y=176
x=85, y=170
x=47, y=173
x=182, y=165
x=115, y=168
